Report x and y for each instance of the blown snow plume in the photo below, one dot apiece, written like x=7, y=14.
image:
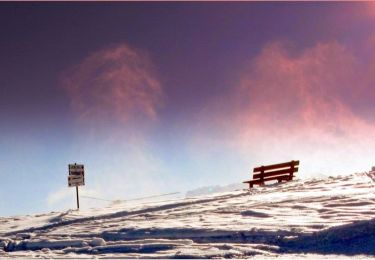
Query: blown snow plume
x=312, y=105
x=117, y=84
x=114, y=95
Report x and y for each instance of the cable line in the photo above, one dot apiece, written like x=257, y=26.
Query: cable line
x=88, y=197
x=141, y=198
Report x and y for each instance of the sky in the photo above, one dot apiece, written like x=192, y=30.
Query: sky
x=159, y=97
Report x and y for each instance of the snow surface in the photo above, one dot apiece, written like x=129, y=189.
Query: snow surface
x=317, y=218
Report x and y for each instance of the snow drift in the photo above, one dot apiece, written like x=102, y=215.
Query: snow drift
x=317, y=217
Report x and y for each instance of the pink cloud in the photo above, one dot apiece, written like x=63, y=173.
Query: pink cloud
x=117, y=84
x=300, y=105
x=304, y=90
x=370, y=8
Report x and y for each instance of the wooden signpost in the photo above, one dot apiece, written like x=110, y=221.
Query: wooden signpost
x=76, y=177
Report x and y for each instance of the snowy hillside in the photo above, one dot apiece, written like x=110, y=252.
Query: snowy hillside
x=311, y=218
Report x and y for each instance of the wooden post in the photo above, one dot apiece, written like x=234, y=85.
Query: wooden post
x=291, y=171
x=77, y=198
x=262, y=176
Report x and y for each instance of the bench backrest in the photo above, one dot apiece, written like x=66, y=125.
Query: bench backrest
x=276, y=170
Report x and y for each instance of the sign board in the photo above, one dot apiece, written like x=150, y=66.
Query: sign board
x=76, y=169
x=76, y=175
x=76, y=181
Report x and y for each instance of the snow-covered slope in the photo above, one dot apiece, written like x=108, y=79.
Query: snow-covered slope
x=329, y=217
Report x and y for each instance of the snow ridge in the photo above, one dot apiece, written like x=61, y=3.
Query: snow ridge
x=317, y=217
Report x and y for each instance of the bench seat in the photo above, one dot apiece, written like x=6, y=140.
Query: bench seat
x=260, y=182
x=280, y=172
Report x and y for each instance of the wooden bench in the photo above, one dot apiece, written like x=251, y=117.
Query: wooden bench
x=280, y=172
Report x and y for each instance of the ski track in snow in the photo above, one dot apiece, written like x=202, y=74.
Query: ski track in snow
x=313, y=218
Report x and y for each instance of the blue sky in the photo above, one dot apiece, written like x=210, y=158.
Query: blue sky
x=164, y=97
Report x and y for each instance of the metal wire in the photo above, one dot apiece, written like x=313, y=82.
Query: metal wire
x=88, y=197
x=141, y=198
